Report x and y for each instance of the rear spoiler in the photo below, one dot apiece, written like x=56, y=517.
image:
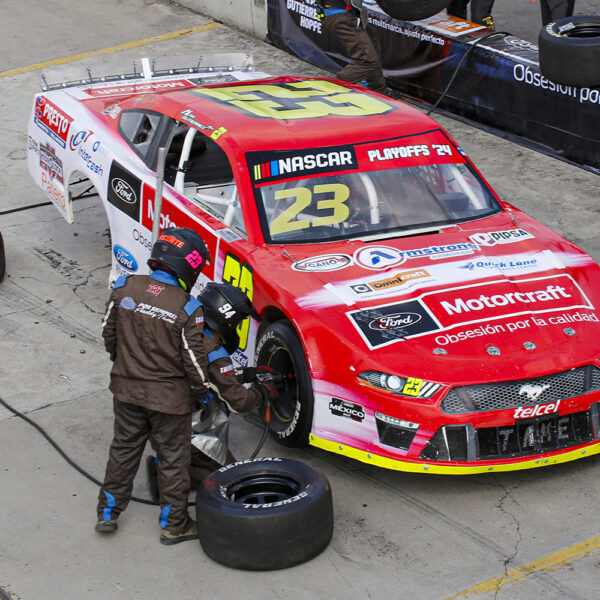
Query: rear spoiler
x=204, y=66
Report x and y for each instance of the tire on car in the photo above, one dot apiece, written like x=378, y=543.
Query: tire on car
x=264, y=514
x=569, y=51
x=279, y=347
x=412, y=10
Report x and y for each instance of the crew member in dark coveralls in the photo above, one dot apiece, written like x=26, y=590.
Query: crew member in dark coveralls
x=481, y=11
x=552, y=10
x=154, y=332
x=347, y=20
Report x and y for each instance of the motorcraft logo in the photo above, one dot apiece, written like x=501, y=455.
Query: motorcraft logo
x=349, y=410
x=52, y=120
x=491, y=238
x=326, y=262
x=480, y=302
x=51, y=163
x=287, y=164
x=383, y=325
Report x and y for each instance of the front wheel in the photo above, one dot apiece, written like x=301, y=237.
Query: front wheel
x=291, y=413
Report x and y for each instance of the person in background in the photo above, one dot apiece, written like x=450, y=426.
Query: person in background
x=481, y=11
x=556, y=9
x=347, y=21
x=153, y=331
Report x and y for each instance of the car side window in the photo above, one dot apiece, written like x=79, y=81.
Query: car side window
x=139, y=128
x=200, y=170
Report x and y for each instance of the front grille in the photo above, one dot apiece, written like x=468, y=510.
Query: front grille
x=522, y=392
x=535, y=436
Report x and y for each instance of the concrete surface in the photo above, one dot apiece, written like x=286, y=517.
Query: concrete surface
x=397, y=536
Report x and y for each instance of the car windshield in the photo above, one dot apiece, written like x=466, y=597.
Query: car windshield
x=375, y=202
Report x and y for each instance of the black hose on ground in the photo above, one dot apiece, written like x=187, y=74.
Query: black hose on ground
x=83, y=472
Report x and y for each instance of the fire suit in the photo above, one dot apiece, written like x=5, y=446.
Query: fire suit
x=553, y=10
x=210, y=425
x=153, y=331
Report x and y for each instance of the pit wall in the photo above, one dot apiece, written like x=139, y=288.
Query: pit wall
x=248, y=15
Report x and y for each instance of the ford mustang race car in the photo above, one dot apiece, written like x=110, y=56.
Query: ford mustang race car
x=421, y=323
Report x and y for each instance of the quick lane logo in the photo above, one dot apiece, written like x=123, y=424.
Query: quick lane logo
x=287, y=164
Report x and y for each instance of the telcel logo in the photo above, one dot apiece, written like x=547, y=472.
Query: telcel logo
x=125, y=258
x=525, y=412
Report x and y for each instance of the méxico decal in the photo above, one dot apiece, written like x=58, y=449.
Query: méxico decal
x=469, y=304
x=308, y=99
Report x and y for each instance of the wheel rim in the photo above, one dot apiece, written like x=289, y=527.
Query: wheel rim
x=284, y=407
x=263, y=489
x=583, y=30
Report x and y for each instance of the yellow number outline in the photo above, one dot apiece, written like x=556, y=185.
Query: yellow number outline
x=241, y=276
x=413, y=386
x=286, y=221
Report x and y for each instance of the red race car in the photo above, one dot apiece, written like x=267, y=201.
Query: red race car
x=422, y=324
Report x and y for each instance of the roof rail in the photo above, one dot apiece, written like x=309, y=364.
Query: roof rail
x=144, y=69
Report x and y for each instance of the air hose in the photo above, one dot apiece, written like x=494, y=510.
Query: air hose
x=83, y=472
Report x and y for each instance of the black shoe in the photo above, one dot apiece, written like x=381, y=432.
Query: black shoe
x=170, y=537
x=106, y=526
x=152, y=478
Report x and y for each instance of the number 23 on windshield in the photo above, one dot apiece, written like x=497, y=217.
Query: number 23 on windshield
x=334, y=208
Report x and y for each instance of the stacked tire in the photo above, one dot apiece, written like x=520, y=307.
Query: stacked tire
x=570, y=51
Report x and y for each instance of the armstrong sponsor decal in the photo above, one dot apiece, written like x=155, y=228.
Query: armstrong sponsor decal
x=442, y=251
x=127, y=90
x=125, y=258
x=52, y=120
x=287, y=164
x=491, y=238
x=326, y=262
x=349, y=410
x=51, y=163
x=496, y=300
x=124, y=191
x=378, y=257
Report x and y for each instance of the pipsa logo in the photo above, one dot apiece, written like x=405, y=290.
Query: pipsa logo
x=292, y=163
x=326, y=262
x=491, y=238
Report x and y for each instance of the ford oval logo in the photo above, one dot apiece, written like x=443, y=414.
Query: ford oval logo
x=327, y=262
x=123, y=190
x=125, y=258
x=397, y=321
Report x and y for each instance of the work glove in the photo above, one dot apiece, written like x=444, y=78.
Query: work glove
x=203, y=399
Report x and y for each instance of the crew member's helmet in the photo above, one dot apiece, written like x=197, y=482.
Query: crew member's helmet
x=181, y=252
x=225, y=307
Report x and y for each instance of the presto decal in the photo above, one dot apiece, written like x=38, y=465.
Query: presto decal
x=468, y=304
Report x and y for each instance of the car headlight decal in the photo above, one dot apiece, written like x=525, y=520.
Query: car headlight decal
x=402, y=386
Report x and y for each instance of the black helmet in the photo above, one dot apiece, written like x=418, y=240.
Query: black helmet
x=181, y=252
x=225, y=307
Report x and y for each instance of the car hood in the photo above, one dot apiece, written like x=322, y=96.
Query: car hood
x=496, y=299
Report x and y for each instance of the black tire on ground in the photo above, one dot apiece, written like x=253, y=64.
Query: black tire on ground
x=264, y=514
x=570, y=51
x=2, y=259
x=291, y=414
x=412, y=10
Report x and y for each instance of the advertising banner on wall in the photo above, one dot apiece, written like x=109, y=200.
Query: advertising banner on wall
x=498, y=85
